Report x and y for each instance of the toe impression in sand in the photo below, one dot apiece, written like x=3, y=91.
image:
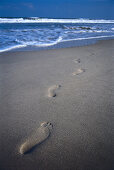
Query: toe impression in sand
x=52, y=90
x=77, y=60
x=79, y=71
x=41, y=134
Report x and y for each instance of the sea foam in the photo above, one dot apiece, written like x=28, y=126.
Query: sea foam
x=47, y=20
x=51, y=33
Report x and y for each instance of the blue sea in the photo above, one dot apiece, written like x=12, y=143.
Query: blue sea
x=39, y=33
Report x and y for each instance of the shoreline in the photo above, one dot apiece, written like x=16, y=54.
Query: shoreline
x=70, y=87
x=80, y=42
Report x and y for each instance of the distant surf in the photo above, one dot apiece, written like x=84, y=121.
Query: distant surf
x=48, y=33
x=48, y=20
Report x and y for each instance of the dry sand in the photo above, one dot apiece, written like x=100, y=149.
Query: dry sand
x=82, y=112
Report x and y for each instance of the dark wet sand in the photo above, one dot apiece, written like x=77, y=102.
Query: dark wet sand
x=82, y=112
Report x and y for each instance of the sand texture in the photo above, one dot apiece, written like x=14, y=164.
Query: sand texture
x=81, y=110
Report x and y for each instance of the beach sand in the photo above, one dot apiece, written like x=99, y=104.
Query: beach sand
x=81, y=111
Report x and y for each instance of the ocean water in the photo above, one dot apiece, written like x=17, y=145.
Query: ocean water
x=48, y=33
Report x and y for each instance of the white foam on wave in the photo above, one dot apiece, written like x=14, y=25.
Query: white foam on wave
x=26, y=43
x=13, y=47
x=46, y=20
x=87, y=31
x=53, y=43
x=100, y=31
x=31, y=43
x=87, y=38
x=39, y=44
x=50, y=44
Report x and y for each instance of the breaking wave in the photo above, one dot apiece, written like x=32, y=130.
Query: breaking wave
x=47, y=20
x=30, y=33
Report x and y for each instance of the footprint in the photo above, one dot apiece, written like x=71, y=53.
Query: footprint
x=41, y=134
x=79, y=71
x=77, y=60
x=52, y=90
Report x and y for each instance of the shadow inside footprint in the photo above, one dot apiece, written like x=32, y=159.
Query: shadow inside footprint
x=34, y=147
x=77, y=60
